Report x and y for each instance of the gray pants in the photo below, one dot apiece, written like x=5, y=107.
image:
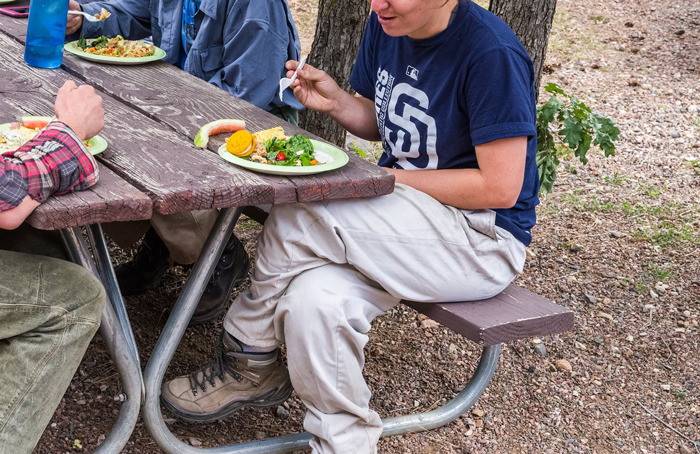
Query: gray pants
x=325, y=270
x=49, y=311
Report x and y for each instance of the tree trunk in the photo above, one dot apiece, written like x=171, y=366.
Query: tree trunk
x=339, y=29
x=531, y=20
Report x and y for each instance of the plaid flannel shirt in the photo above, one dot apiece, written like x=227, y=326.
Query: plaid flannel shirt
x=54, y=162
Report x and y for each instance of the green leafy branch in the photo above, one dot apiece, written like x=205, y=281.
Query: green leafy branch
x=576, y=127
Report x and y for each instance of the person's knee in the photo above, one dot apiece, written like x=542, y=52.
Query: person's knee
x=309, y=302
x=88, y=296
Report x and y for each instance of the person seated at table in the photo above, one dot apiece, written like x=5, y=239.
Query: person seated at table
x=49, y=308
x=240, y=46
x=449, y=90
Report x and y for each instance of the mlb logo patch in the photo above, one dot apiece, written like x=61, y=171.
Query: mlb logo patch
x=412, y=72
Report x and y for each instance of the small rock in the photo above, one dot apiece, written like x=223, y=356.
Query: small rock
x=563, y=364
x=616, y=234
x=477, y=412
x=429, y=323
x=541, y=349
x=605, y=315
x=666, y=387
x=589, y=298
x=194, y=442
x=282, y=412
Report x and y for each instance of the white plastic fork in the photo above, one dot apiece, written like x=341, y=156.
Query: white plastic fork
x=285, y=82
x=89, y=17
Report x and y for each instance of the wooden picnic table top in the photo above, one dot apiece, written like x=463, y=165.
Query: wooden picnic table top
x=152, y=113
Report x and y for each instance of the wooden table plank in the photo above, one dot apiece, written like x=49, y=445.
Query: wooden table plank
x=111, y=199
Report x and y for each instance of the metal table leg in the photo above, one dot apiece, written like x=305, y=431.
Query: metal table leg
x=109, y=279
x=113, y=330
x=175, y=328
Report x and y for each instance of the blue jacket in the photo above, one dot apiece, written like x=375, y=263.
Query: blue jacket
x=241, y=45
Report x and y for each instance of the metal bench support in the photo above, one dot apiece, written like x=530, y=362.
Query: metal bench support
x=116, y=333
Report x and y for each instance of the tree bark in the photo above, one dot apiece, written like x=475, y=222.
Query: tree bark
x=339, y=29
x=531, y=20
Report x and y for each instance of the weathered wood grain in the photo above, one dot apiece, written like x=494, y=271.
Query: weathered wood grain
x=515, y=313
x=158, y=161
x=111, y=199
x=183, y=103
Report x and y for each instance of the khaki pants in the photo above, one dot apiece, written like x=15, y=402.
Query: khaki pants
x=325, y=270
x=184, y=234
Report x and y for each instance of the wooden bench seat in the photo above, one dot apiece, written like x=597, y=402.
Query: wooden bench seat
x=515, y=313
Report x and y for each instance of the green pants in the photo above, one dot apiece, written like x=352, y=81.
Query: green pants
x=49, y=311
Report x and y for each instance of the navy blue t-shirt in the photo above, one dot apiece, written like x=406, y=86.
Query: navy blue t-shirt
x=437, y=98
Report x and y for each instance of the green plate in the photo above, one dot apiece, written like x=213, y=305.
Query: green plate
x=96, y=145
x=330, y=157
x=72, y=47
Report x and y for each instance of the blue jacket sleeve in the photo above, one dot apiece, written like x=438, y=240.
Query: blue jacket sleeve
x=129, y=18
x=248, y=76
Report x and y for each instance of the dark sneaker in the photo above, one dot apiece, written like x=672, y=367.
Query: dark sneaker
x=145, y=271
x=231, y=270
x=231, y=381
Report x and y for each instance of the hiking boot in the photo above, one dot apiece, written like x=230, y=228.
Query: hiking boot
x=231, y=270
x=145, y=271
x=231, y=381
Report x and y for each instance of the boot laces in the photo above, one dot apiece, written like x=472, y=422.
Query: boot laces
x=219, y=367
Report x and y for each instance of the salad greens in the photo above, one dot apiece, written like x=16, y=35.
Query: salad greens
x=288, y=152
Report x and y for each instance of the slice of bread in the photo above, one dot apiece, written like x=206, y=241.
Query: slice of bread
x=262, y=136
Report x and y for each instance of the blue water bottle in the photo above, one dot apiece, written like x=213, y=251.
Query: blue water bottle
x=46, y=33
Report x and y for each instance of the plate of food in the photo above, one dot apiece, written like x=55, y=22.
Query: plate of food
x=271, y=151
x=14, y=135
x=115, y=51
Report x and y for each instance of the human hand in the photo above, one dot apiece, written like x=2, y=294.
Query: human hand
x=80, y=108
x=75, y=21
x=314, y=88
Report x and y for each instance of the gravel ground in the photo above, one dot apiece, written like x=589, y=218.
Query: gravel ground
x=617, y=241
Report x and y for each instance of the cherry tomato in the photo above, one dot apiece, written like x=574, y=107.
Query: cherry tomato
x=281, y=156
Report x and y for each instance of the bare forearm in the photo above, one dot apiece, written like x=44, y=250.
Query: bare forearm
x=495, y=184
x=357, y=115
x=461, y=188
x=13, y=218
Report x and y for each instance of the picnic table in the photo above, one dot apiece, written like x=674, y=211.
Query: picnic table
x=152, y=113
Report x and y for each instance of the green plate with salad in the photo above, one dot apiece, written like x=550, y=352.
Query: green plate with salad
x=327, y=156
x=140, y=48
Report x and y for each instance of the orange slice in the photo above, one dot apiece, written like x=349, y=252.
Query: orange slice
x=241, y=143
